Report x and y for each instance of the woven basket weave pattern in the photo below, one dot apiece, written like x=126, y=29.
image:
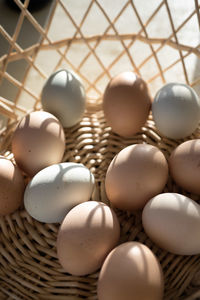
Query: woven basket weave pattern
x=29, y=268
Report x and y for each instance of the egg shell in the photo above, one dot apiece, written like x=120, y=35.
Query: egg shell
x=135, y=175
x=11, y=187
x=88, y=233
x=184, y=165
x=64, y=96
x=53, y=191
x=172, y=221
x=176, y=110
x=126, y=103
x=131, y=271
x=38, y=142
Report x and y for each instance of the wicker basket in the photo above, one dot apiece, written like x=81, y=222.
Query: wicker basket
x=97, y=39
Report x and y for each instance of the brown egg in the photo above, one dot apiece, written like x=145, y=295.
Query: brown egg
x=38, y=142
x=11, y=187
x=131, y=272
x=126, y=103
x=88, y=233
x=135, y=175
x=184, y=165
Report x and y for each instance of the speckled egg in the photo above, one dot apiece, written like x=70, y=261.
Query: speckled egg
x=55, y=190
x=38, y=142
x=11, y=187
x=86, y=236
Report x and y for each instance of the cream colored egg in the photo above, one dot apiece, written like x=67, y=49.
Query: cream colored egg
x=172, y=221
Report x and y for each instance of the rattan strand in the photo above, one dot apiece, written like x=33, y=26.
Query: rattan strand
x=29, y=268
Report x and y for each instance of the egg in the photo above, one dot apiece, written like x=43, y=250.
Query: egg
x=11, y=187
x=184, y=165
x=172, y=221
x=53, y=191
x=64, y=96
x=135, y=175
x=88, y=233
x=176, y=110
x=126, y=103
x=38, y=142
x=131, y=272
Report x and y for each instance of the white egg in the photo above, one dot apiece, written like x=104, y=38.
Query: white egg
x=176, y=110
x=64, y=96
x=172, y=221
x=53, y=191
